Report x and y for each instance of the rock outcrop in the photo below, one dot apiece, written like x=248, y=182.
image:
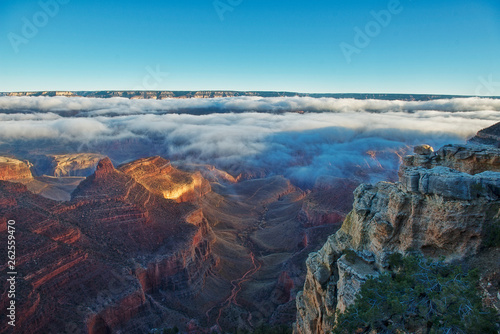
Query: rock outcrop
x=66, y=165
x=488, y=136
x=160, y=177
x=470, y=159
x=14, y=170
x=444, y=204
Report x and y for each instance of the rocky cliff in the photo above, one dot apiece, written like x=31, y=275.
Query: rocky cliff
x=445, y=204
x=13, y=169
x=160, y=177
x=488, y=136
x=65, y=165
x=114, y=258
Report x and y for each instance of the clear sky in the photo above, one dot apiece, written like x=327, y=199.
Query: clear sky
x=422, y=46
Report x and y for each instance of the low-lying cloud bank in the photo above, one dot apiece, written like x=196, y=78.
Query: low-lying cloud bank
x=121, y=106
x=351, y=140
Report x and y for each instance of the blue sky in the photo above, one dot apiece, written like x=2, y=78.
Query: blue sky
x=440, y=47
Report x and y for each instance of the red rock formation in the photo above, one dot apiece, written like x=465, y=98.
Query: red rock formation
x=282, y=291
x=328, y=202
x=99, y=261
x=104, y=168
x=13, y=169
x=159, y=177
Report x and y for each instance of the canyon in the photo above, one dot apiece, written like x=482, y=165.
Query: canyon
x=148, y=245
x=120, y=245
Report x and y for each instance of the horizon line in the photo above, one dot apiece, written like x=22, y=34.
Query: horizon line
x=300, y=94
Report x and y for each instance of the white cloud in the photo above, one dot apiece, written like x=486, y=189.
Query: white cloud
x=301, y=146
x=123, y=106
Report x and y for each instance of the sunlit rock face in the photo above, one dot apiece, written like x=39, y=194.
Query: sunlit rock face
x=13, y=169
x=160, y=177
x=443, y=205
x=65, y=165
x=83, y=164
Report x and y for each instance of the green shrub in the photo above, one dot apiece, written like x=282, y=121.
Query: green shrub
x=350, y=255
x=419, y=293
x=492, y=237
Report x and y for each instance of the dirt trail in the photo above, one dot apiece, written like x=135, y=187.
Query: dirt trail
x=237, y=283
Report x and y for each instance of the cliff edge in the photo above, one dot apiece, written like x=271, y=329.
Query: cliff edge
x=446, y=204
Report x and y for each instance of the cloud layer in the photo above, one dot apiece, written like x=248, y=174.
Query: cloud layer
x=122, y=106
x=351, y=138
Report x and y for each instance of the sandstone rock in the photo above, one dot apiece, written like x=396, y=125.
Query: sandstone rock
x=433, y=210
x=13, y=169
x=82, y=164
x=423, y=150
x=160, y=177
x=488, y=136
x=65, y=165
x=101, y=262
x=104, y=168
x=470, y=159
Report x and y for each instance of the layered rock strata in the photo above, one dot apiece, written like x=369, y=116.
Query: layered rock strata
x=13, y=169
x=65, y=165
x=434, y=210
x=160, y=177
x=113, y=256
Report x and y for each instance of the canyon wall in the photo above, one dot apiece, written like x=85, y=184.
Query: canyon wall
x=13, y=169
x=114, y=258
x=160, y=177
x=444, y=204
x=65, y=165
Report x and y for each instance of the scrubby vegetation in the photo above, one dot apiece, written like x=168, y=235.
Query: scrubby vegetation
x=492, y=238
x=418, y=293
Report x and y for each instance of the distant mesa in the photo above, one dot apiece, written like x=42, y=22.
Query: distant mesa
x=65, y=165
x=161, y=95
x=158, y=176
x=13, y=169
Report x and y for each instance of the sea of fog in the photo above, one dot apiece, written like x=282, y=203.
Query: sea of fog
x=301, y=138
